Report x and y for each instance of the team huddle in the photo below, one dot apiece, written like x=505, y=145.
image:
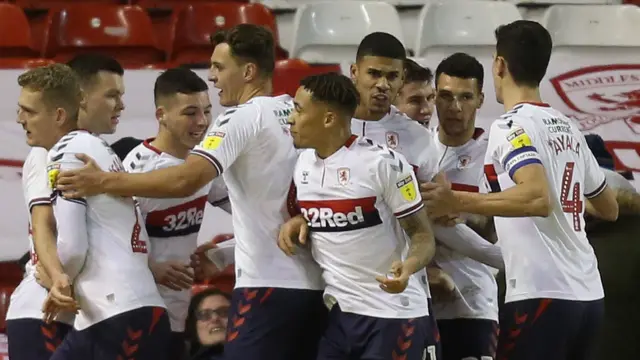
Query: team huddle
x=359, y=233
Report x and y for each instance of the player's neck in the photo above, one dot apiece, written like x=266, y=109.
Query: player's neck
x=264, y=88
x=170, y=145
x=59, y=134
x=456, y=140
x=363, y=113
x=334, y=142
x=515, y=95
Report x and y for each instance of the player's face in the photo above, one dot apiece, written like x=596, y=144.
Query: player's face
x=103, y=105
x=227, y=75
x=211, y=318
x=307, y=119
x=37, y=119
x=417, y=100
x=186, y=117
x=378, y=80
x=499, y=69
x=457, y=101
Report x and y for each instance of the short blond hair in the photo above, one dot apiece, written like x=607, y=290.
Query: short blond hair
x=59, y=85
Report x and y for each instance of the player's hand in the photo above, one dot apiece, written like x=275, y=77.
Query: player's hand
x=60, y=298
x=448, y=220
x=202, y=266
x=441, y=285
x=172, y=274
x=293, y=232
x=397, y=280
x=439, y=199
x=81, y=182
x=42, y=278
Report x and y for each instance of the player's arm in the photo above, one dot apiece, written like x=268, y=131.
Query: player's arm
x=219, y=195
x=225, y=141
x=43, y=223
x=71, y=216
x=401, y=193
x=467, y=242
x=601, y=197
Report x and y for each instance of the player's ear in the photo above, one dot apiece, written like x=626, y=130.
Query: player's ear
x=499, y=66
x=250, y=71
x=161, y=112
x=83, y=101
x=353, y=71
x=329, y=118
x=480, y=100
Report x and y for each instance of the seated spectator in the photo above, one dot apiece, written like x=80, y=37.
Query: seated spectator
x=206, y=325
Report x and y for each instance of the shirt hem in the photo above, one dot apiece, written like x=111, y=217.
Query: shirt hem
x=283, y=284
x=552, y=295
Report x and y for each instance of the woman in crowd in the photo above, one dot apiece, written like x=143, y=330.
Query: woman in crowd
x=206, y=325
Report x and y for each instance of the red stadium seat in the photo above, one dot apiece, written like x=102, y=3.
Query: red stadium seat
x=195, y=24
x=123, y=32
x=52, y=4
x=13, y=21
x=289, y=73
x=226, y=279
x=176, y=3
x=5, y=296
x=20, y=63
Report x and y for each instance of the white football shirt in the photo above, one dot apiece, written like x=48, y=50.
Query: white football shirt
x=250, y=145
x=352, y=200
x=476, y=293
x=409, y=138
x=101, y=239
x=27, y=299
x=172, y=225
x=546, y=257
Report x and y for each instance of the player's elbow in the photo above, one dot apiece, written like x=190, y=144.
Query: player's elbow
x=184, y=186
x=540, y=203
x=606, y=205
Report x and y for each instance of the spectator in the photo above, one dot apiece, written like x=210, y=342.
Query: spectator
x=206, y=325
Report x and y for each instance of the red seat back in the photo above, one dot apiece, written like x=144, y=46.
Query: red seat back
x=123, y=32
x=21, y=63
x=289, y=73
x=196, y=23
x=49, y=4
x=15, y=34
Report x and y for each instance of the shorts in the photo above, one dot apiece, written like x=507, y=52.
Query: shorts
x=434, y=341
x=468, y=339
x=275, y=324
x=550, y=329
x=34, y=339
x=141, y=334
x=352, y=336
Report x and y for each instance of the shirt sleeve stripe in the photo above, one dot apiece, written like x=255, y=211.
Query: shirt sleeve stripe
x=404, y=213
x=211, y=159
x=224, y=200
x=39, y=201
x=517, y=152
x=522, y=163
x=597, y=191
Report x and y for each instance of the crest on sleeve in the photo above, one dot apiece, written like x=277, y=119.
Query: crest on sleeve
x=343, y=176
x=53, y=170
x=392, y=139
x=518, y=138
x=407, y=188
x=213, y=140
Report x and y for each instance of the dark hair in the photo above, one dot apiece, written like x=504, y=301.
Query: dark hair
x=334, y=89
x=526, y=47
x=381, y=44
x=190, y=330
x=88, y=65
x=416, y=73
x=178, y=80
x=463, y=66
x=249, y=43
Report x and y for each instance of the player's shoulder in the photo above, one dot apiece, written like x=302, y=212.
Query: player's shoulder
x=376, y=154
x=37, y=157
x=80, y=141
x=142, y=158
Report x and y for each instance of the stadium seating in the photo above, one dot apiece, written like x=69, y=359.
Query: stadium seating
x=565, y=2
x=324, y=35
x=52, y=4
x=195, y=23
x=18, y=63
x=178, y=3
x=123, y=32
x=288, y=74
x=13, y=21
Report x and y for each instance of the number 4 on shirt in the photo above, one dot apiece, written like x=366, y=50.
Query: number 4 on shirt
x=574, y=205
